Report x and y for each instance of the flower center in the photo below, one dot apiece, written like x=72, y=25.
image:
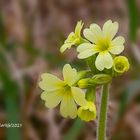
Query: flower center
x=103, y=45
x=119, y=66
x=88, y=113
x=67, y=88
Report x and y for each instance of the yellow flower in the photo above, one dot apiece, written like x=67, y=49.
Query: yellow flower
x=56, y=91
x=74, y=38
x=121, y=64
x=103, y=43
x=87, y=112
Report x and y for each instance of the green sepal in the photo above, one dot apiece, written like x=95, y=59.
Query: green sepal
x=91, y=64
x=101, y=79
x=83, y=74
x=98, y=79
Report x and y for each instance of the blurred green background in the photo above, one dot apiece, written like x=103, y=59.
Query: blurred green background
x=31, y=33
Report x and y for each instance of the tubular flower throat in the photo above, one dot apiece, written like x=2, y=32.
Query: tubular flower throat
x=102, y=43
x=87, y=112
x=57, y=91
x=74, y=38
x=121, y=64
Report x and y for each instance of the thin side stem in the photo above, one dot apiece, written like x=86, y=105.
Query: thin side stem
x=101, y=132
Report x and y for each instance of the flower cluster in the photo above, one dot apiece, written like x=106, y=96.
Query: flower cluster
x=102, y=48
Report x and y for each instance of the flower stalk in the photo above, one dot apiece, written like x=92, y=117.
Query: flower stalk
x=101, y=132
x=100, y=48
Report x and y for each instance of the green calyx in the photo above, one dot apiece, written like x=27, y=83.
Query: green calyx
x=73, y=39
x=101, y=79
x=91, y=63
x=83, y=74
x=98, y=79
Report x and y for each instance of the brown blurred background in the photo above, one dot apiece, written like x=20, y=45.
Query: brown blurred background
x=31, y=33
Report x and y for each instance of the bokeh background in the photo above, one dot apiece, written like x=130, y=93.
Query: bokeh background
x=31, y=33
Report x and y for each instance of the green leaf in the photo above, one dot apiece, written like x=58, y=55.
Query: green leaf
x=2, y=30
x=134, y=19
x=11, y=98
x=74, y=131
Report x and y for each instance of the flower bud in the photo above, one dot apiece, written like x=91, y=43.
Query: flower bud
x=82, y=74
x=84, y=83
x=100, y=79
x=120, y=64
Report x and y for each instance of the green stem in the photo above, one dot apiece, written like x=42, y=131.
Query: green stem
x=91, y=94
x=101, y=133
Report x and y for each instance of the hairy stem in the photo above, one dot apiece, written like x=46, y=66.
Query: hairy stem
x=101, y=132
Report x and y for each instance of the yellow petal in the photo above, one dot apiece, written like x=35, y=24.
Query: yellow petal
x=93, y=34
x=68, y=107
x=110, y=29
x=52, y=99
x=103, y=60
x=117, y=45
x=117, y=49
x=99, y=62
x=118, y=41
x=71, y=38
x=78, y=28
x=88, y=34
x=107, y=60
x=97, y=32
x=84, y=46
x=86, y=54
x=86, y=50
x=65, y=46
x=78, y=96
x=87, y=112
x=50, y=82
x=69, y=74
